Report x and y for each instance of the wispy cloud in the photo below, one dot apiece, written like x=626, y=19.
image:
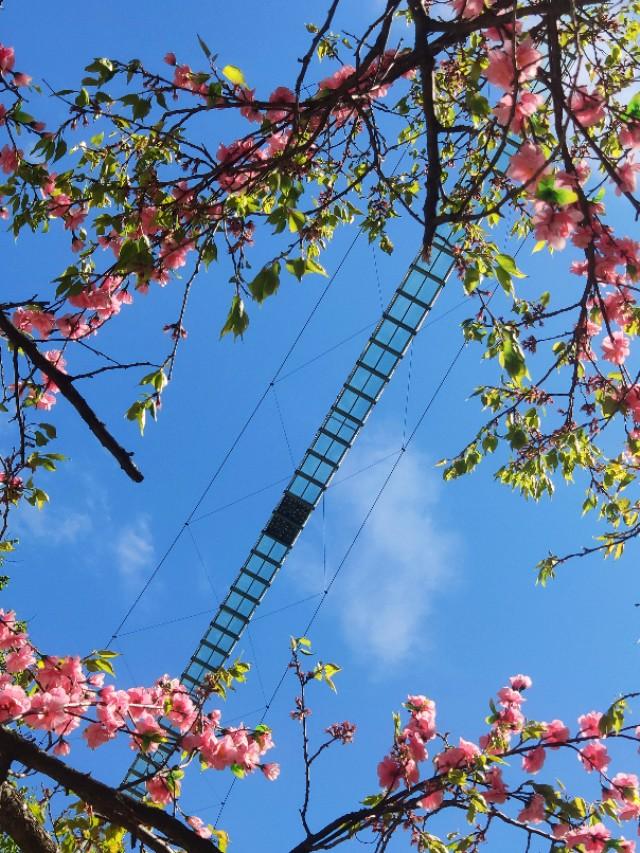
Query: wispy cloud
x=402, y=561
x=55, y=523
x=134, y=549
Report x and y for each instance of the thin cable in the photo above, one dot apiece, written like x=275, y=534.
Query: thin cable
x=352, y=545
x=366, y=468
x=188, y=616
x=255, y=658
x=406, y=401
x=324, y=542
x=375, y=265
x=205, y=568
x=327, y=351
x=241, y=499
x=282, y=424
x=234, y=443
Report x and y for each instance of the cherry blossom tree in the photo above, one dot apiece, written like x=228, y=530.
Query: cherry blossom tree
x=470, y=117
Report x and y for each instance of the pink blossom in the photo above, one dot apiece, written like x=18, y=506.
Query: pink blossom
x=247, y=97
x=183, y=712
x=281, y=95
x=524, y=109
x=625, y=786
x=277, y=142
x=174, y=254
x=616, y=347
x=627, y=177
x=415, y=744
x=556, y=733
x=468, y=8
x=389, y=773
x=630, y=136
x=7, y=58
x=62, y=748
x=520, y=682
x=534, y=811
x=553, y=225
x=588, y=724
x=159, y=790
x=618, y=306
x=456, y=757
x=500, y=71
x=21, y=79
x=9, y=159
x=148, y=223
x=337, y=78
x=509, y=696
x=532, y=762
x=19, y=660
x=594, y=837
x=96, y=735
x=14, y=702
x=73, y=219
x=528, y=162
x=594, y=756
x=199, y=827
x=498, y=791
x=271, y=771
x=432, y=801
x=49, y=712
x=588, y=107
x=72, y=326
x=170, y=58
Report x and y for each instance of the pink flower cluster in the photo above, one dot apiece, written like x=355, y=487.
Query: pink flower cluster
x=410, y=746
x=63, y=695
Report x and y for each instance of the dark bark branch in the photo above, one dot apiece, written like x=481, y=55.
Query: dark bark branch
x=20, y=825
x=72, y=395
x=117, y=808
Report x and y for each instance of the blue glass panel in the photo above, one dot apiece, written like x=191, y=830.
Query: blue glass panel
x=385, y=332
x=429, y=290
x=414, y=316
x=399, y=307
x=311, y=492
x=400, y=339
x=413, y=282
x=338, y=425
x=353, y=404
x=328, y=447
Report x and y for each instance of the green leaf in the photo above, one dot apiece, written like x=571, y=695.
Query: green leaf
x=505, y=280
x=511, y=357
x=204, y=46
x=547, y=190
x=507, y=263
x=267, y=282
x=633, y=110
x=234, y=75
x=472, y=279
x=237, y=319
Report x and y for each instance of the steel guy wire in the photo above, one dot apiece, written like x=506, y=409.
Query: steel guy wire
x=234, y=443
x=353, y=543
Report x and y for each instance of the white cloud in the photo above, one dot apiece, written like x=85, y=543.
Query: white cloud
x=134, y=549
x=401, y=562
x=59, y=526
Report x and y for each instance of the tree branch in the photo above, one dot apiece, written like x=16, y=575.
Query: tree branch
x=72, y=395
x=116, y=807
x=19, y=824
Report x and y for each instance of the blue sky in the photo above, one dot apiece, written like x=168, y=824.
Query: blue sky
x=437, y=598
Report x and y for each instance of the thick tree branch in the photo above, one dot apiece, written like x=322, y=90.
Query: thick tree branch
x=72, y=395
x=17, y=821
x=116, y=807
